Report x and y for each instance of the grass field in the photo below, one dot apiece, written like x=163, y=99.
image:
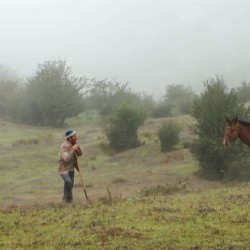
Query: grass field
x=155, y=202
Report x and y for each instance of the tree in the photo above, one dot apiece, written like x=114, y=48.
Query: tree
x=17, y=113
x=8, y=85
x=179, y=97
x=53, y=94
x=162, y=109
x=210, y=109
x=121, y=127
x=105, y=96
x=244, y=91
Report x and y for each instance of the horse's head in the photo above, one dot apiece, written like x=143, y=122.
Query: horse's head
x=231, y=131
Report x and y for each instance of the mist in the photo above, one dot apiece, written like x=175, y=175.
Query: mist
x=148, y=44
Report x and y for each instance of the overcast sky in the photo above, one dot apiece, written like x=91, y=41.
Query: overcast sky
x=147, y=43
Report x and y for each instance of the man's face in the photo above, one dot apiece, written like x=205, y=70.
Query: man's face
x=73, y=139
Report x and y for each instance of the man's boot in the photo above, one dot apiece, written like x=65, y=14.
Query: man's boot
x=67, y=197
x=70, y=197
x=64, y=197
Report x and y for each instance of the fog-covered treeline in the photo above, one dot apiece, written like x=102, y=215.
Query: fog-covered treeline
x=53, y=94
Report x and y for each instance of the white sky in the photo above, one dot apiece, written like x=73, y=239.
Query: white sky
x=147, y=43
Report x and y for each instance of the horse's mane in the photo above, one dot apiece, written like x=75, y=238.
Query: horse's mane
x=244, y=123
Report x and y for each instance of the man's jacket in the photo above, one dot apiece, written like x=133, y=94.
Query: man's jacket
x=67, y=158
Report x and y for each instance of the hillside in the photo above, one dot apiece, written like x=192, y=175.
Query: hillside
x=29, y=158
x=139, y=199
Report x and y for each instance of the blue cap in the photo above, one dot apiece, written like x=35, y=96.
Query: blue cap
x=69, y=133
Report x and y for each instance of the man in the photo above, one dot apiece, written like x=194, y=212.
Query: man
x=68, y=153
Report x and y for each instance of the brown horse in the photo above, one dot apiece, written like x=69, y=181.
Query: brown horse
x=236, y=128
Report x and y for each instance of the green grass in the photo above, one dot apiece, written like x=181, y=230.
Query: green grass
x=157, y=200
x=211, y=219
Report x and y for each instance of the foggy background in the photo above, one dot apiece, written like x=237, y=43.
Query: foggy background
x=148, y=44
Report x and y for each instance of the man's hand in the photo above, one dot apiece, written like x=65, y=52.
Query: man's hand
x=75, y=149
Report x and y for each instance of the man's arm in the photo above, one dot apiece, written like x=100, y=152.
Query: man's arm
x=77, y=149
x=66, y=153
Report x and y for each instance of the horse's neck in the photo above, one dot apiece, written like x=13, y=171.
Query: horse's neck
x=244, y=134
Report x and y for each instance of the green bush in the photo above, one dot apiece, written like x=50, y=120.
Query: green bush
x=238, y=169
x=162, y=110
x=121, y=127
x=169, y=135
x=210, y=110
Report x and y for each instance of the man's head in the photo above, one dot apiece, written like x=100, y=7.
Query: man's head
x=71, y=136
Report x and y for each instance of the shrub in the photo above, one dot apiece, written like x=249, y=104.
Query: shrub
x=162, y=110
x=121, y=127
x=169, y=135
